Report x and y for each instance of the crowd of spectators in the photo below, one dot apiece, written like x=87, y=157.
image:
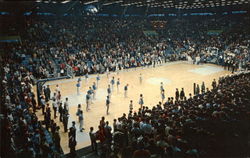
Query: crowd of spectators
x=82, y=45
x=22, y=133
x=214, y=123
x=210, y=124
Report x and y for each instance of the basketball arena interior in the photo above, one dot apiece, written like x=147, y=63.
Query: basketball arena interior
x=125, y=79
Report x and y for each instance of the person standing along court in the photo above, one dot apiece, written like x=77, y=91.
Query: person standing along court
x=65, y=120
x=94, y=90
x=118, y=84
x=87, y=101
x=109, y=91
x=80, y=117
x=140, y=78
x=92, y=136
x=66, y=105
x=112, y=83
x=107, y=105
x=79, y=79
x=90, y=93
x=194, y=88
x=163, y=96
x=43, y=102
x=141, y=102
x=203, y=88
x=47, y=93
x=57, y=88
x=197, y=89
x=182, y=94
x=97, y=80
x=131, y=105
x=78, y=85
x=177, y=94
x=72, y=140
x=79, y=107
x=86, y=77
x=126, y=91
x=55, y=107
x=161, y=87
x=107, y=71
x=60, y=110
x=214, y=84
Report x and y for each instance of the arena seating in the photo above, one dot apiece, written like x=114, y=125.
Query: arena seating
x=214, y=124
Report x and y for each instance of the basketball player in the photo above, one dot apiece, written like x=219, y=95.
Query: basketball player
x=57, y=88
x=109, y=91
x=97, y=80
x=107, y=104
x=107, y=71
x=87, y=101
x=112, y=82
x=79, y=79
x=126, y=91
x=94, y=90
x=118, y=84
x=141, y=102
x=86, y=77
x=90, y=93
x=161, y=87
x=78, y=85
x=140, y=78
x=162, y=96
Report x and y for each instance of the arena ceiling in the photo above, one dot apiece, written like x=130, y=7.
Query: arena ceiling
x=59, y=6
x=178, y=4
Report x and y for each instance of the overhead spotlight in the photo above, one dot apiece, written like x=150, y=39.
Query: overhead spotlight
x=66, y=1
x=91, y=9
x=90, y=2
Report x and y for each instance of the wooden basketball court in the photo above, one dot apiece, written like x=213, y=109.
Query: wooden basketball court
x=174, y=75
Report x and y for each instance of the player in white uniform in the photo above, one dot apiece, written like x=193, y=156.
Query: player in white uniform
x=107, y=71
x=141, y=102
x=140, y=78
x=161, y=87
